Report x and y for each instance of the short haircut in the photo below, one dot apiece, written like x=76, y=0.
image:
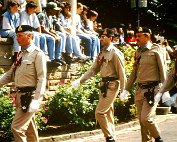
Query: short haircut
x=79, y=5
x=93, y=13
x=31, y=4
x=12, y=3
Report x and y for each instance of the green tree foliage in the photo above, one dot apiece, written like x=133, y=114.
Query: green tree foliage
x=164, y=13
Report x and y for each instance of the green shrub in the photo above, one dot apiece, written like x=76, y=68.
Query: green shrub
x=76, y=106
x=7, y=111
x=41, y=117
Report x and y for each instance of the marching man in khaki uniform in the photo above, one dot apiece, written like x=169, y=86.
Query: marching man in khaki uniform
x=149, y=70
x=110, y=64
x=169, y=84
x=29, y=74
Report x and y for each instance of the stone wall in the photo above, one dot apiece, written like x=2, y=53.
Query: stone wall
x=55, y=75
x=60, y=75
x=5, y=53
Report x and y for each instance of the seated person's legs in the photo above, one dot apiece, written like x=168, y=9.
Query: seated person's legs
x=43, y=44
x=36, y=39
x=58, y=49
x=63, y=40
x=76, y=48
x=88, y=43
x=95, y=46
x=50, y=46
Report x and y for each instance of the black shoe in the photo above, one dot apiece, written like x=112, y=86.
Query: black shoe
x=159, y=139
x=173, y=110
x=61, y=61
x=69, y=60
x=54, y=63
x=110, y=139
x=77, y=59
x=83, y=60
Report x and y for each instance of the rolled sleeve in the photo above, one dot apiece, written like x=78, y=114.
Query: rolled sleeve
x=41, y=71
x=120, y=69
x=7, y=77
x=161, y=65
x=92, y=71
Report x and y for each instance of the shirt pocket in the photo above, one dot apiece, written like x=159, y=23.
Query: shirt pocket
x=148, y=58
x=27, y=66
x=151, y=58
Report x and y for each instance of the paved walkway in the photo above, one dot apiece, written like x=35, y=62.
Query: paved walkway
x=129, y=132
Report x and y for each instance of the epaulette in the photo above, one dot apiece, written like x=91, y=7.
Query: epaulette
x=157, y=48
x=156, y=45
x=37, y=48
x=119, y=53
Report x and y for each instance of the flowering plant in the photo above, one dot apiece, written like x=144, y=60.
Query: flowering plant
x=41, y=116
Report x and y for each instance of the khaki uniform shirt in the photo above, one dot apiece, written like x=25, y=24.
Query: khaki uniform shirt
x=151, y=66
x=110, y=63
x=31, y=72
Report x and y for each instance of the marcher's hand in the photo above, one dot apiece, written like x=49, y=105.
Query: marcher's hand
x=160, y=85
x=34, y=105
x=76, y=83
x=157, y=97
x=124, y=95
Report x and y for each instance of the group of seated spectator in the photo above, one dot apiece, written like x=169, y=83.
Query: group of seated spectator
x=124, y=35
x=53, y=32
x=53, y=29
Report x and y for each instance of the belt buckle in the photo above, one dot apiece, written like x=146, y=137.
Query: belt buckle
x=13, y=90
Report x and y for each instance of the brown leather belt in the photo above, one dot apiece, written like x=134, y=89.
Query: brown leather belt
x=26, y=89
x=147, y=85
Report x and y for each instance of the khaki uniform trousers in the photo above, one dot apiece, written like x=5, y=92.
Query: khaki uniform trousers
x=105, y=112
x=146, y=115
x=23, y=124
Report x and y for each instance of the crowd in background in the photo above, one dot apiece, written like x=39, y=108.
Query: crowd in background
x=53, y=29
x=52, y=24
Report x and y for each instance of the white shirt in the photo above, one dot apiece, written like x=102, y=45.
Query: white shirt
x=6, y=24
x=90, y=25
x=31, y=19
x=78, y=21
x=9, y=23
